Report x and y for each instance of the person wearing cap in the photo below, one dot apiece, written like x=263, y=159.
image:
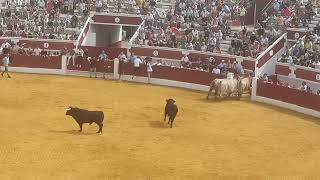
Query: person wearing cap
x=5, y=63
x=222, y=66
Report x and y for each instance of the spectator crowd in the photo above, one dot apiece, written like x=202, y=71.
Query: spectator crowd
x=306, y=52
x=191, y=25
x=44, y=19
x=303, y=87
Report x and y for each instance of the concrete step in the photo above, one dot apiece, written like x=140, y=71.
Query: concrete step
x=224, y=47
x=225, y=42
x=314, y=22
x=312, y=25
x=316, y=18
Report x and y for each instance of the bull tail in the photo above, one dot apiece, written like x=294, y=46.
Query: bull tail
x=218, y=89
x=212, y=85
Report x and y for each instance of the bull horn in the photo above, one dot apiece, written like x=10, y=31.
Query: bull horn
x=68, y=109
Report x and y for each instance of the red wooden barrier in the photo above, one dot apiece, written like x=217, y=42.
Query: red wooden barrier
x=100, y=66
x=175, y=74
x=52, y=62
x=288, y=95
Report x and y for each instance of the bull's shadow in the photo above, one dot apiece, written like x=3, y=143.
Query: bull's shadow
x=72, y=132
x=159, y=124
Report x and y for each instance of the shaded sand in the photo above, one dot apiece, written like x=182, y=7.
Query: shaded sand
x=210, y=140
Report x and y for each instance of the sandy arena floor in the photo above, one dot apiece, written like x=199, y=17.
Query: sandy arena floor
x=210, y=140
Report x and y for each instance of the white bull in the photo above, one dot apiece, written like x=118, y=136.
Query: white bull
x=229, y=87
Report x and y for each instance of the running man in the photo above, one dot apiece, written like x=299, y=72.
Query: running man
x=5, y=62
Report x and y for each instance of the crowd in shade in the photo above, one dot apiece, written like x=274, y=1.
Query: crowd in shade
x=306, y=52
x=289, y=13
x=304, y=86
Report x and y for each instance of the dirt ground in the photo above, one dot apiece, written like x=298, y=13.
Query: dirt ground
x=209, y=140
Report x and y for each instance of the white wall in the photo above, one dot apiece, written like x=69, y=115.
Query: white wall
x=91, y=36
x=270, y=66
x=107, y=34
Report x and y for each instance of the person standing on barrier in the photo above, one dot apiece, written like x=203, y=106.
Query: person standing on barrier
x=6, y=62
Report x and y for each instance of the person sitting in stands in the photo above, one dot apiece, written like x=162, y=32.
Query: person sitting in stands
x=222, y=66
x=216, y=70
x=21, y=50
x=122, y=56
x=185, y=60
x=309, y=90
x=158, y=62
x=265, y=77
x=103, y=56
x=318, y=92
x=304, y=86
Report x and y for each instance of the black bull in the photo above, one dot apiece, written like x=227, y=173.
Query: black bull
x=171, y=110
x=82, y=116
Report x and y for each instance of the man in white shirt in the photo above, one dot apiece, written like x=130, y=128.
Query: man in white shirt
x=215, y=70
x=136, y=65
x=304, y=86
x=6, y=47
x=5, y=62
x=122, y=56
x=184, y=60
x=37, y=51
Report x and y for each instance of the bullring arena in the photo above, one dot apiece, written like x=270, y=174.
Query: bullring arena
x=209, y=140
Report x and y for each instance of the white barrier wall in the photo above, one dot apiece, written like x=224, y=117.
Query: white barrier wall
x=270, y=66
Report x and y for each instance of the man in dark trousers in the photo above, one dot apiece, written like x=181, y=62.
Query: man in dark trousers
x=93, y=66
